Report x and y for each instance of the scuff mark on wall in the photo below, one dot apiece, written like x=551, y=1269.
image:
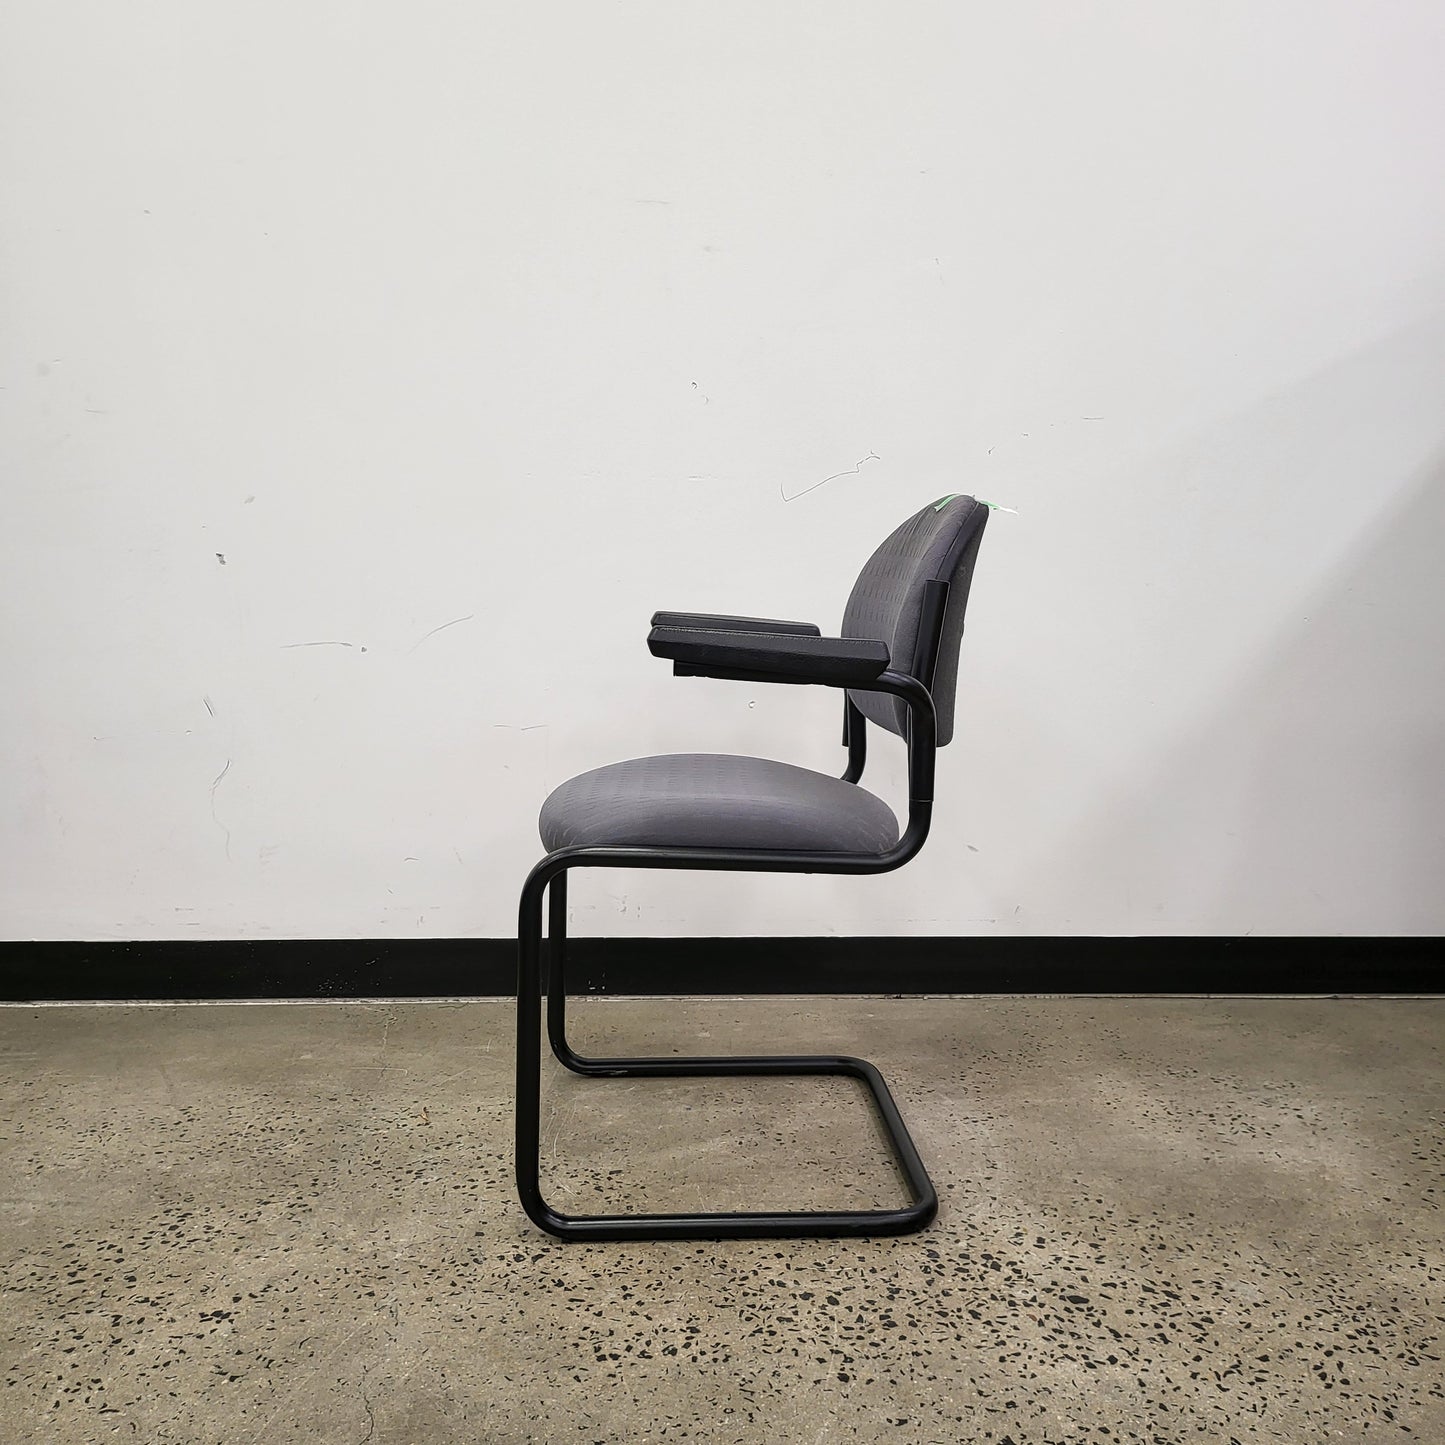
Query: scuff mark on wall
x=435, y=630
x=852, y=471
x=219, y=779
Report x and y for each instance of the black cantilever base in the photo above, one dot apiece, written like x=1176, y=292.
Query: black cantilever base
x=724, y=1225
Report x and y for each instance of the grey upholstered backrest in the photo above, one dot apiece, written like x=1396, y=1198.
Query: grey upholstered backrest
x=940, y=544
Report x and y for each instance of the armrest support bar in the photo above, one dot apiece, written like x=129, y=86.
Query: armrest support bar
x=771, y=656
x=716, y=622
x=830, y=661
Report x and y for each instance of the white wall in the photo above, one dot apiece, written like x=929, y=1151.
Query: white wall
x=470, y=334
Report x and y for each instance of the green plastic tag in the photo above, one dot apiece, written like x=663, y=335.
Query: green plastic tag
x=942, y=502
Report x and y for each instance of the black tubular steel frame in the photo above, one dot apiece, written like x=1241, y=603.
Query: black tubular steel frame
x=549, y=879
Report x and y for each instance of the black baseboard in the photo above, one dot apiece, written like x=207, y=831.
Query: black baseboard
x=445, y=968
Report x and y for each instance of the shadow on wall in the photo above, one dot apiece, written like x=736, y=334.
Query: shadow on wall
x=1310, y=798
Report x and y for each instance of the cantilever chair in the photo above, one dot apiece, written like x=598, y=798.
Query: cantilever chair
x=897, y=662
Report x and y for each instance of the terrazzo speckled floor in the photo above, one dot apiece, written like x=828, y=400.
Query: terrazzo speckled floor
x=1162, y=1221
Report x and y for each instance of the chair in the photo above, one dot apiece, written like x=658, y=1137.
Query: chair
x=897, y=663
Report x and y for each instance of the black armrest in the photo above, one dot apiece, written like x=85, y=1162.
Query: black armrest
x=770, y=656
x=716, y=623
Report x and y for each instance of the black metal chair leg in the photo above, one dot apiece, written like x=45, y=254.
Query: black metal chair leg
x=529, y=1056
x=722, y=1225
x=557, y=971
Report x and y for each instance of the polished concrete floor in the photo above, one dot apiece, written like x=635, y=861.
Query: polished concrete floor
x=1162, y=1221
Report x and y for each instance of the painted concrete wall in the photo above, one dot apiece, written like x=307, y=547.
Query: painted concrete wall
x=372, y=372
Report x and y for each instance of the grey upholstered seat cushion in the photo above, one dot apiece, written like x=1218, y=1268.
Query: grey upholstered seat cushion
x=712, y=800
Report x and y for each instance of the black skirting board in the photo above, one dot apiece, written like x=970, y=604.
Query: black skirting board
x=446, y=968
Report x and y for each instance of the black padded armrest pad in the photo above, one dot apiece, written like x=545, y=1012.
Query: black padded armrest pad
x=841, y=661
x=716, y=622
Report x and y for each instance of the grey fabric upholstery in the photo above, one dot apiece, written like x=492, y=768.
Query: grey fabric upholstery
x=711, y=800
x=939, y=543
